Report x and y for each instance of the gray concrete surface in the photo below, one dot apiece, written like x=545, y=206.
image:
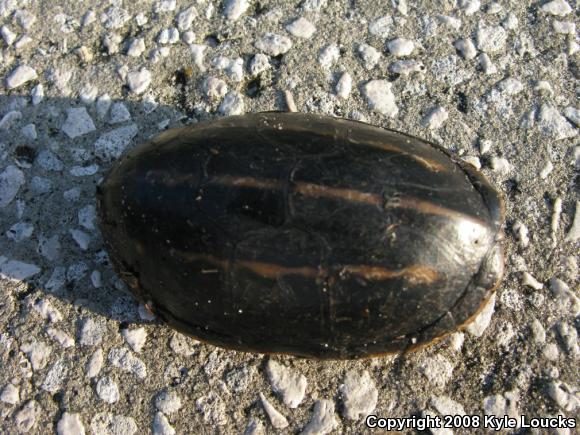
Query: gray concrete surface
x=496, y=82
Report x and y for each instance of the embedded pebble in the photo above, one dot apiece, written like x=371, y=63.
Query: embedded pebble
x=168, y=36
x=234, y=9
x=168, y=402
x=91, y=332
x=435, y=118
x=273, y=44
x=107, y=390
x=344, y=86
x=552, y=124
x=401, y=47
x=406, y=67
x=94, y=364
x=522, y=234
x=60, y=337
x=81, y=238
x=529, y=281
x=10, y=394
x=328, y=55
x=466, y=48
x=558, y=8
x=291, y=386
x=25, y=418
x=254, y=427
x=483, y=319
x=323, y=419
x=551, y=352
x=500, y=165
x=381, y=26
x=301, y=28
x=564, y=395
x=47, y=311
x=110, y=145
x=444, y=405
x=359, y=395
x=70, y=424
x=276, y=418
x=105, y=423
x=437, y=369
x=135, y=338
x=55, y=377
x=136, y=47
x=37, y=352
x=232, y=104
x=8, y=35
x=19, y=76
x=181, y=344
x=491, y=39
x=569, y=338
x=470, y=7
x=574, y=231
x=10, y=119
x=20, y=231
x=501, y=405
x=17, y=270
x=572, y=114
x=369, y=55
x=546, y=169
x=161, y=425
x=11, y=180
x=139, y=81
x=77, y=123
x=125, y=360
x=213, y=409
x=119, y=113
x=380, y=97
x=538, y=332
x=258, y=64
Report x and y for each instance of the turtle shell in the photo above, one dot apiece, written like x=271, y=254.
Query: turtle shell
x=303, y=234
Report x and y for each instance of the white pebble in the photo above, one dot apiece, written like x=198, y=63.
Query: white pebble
x=491, y=39
x=136, y=47
x=323, y=419
x=168, y=36
x=232, y=104
x=406, y=67
x=380, y=97
x=572, y=114
x=359, y=395
x=161, y=425
x=109, y=424
x=273, y=44
x=94, y=364
x=188, y=37
x=234, y=9
x=78, y=122
x=344, y=86
x=181, y=345
x=564, y=27
x=25, y=418
x=37, y=94
x=504, y=405
x=138, y=81
x=19, y=76
x=168, y=402
x=8, y=35
x=115, y=17
x=466, y=48
x=483, y=319
x=20, y=231
x=546, y=169
x=15, y=270
x=328, y=55
x=486, y=64
x=107, y=390
x=437, y=369
x=10, y=395
x=70, y=424
x=473, y=161
x=125, y=360
x=197, y=52
x=135, y=338
x=574, y=232
x=47, y=311
x=435, y=118
x=555, y=220
x=214, y=88
x=110, y=145
x=301, y=28
x=165, y=6
x=559, y=8
x=401, y=47
x=141, y=19
x=91, y=332
x=119, y=113
x=381, y=26
x=291, y=386
x=60, y=337
x=55, y=377
x=81, y=238
x=186, y=17
x=259, y=63
x=529, y=281
x=37, y=352
x=470, y=7
x=565, y=396
x=369, y=55
x=500, y=165
x=276, y=418
x=11, y=118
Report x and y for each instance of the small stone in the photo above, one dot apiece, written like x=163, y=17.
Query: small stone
x=141, y=19
x=78, y=122
x=276, y=418
x=135, y=338
x=232, y=104
x=301, y=28
x=573, y=115
x=569, y=338
x=60, y=337
x=530, y=281
x=551, y=352
x=91, y=332
x=37, y=353
x=55, y=377
x=70, y=424
x=328, y=55
x=274, y=45
x=500, y=165
x=451, y=22
x=470, y=7
x=564, y=27
x=481, y=322
x=466, y=48
x=125, y=360
x=574, y=231
x=119, y=113
x=20, y=75
x=109, y=424
x=380, y=97
x=81, y=238
x=165, y=6
x=551, y=123
x=369, y=55
x=486, y=64
x=115, y=17
x=559, y=8
x=258, y=64
x=47, y=311
x=234, y=9
x=25, y=418
x=240, y=379
x=359, y=395
x=435, y=118
x=188, y=37
x=107, y=390
x=291, y=386
x=406, y=67
x=94, y=364
x=546, y=170
x=29, y=131
x=446, y=406
x=491, y=39
x=15, y=270
x=10, y=395
x=565, y=396
x=181, y=345
x=502, y=405
x=437, y=369
x=538, y=332
x=382, y=26
x=344, y=86
x=161, y=425
x=214, y=88
x=84, y=171
x=401, y=47
x=168, y=36
x=186, y=17
x=8, y=35
x=197, y=53
x=136, y=47
x=323, y=419
x=138, y=81
x=10, y=119
x=473, y=161
x=20, y=231
x=168, y=402
x=213, y=409
x=110, y=145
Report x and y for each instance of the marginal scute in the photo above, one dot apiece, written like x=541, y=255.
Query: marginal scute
x=303, y=234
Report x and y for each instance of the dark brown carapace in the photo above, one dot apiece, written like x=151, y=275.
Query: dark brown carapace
x=303, y=234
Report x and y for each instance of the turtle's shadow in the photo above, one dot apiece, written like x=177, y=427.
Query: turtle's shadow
x=57, y=198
